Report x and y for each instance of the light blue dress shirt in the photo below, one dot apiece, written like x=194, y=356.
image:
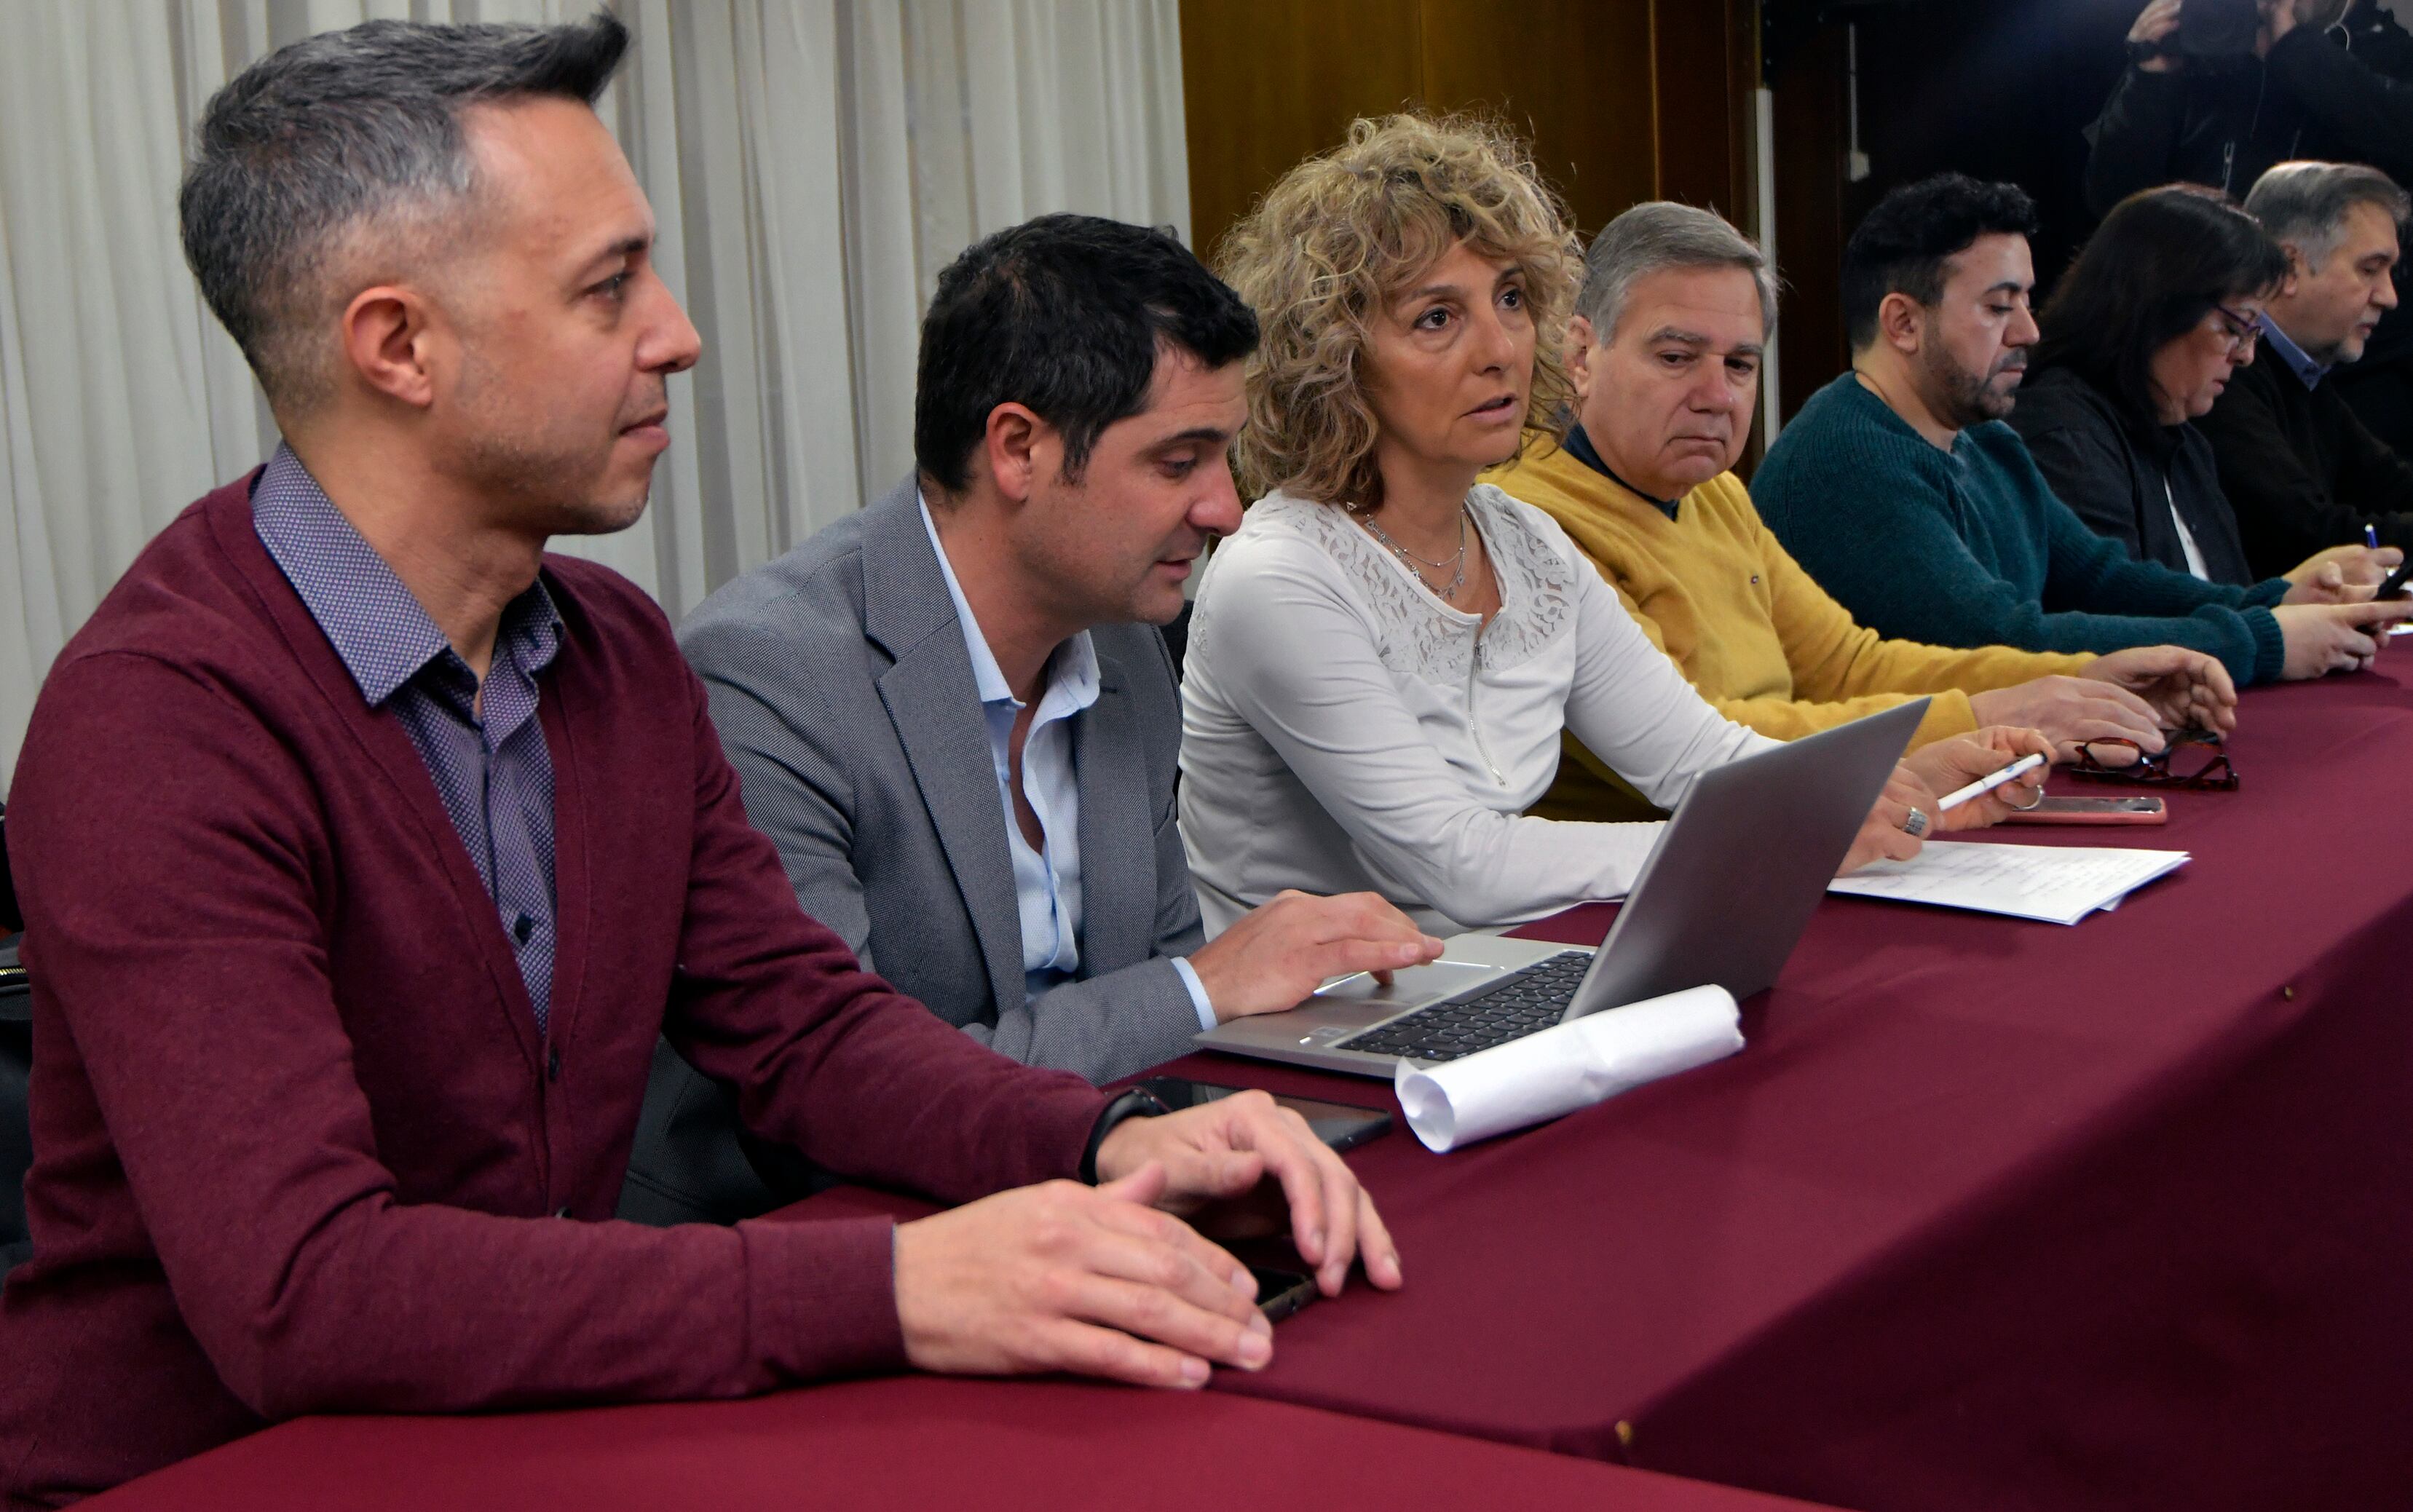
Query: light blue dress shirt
x=2298, y=361
x=1046, y=882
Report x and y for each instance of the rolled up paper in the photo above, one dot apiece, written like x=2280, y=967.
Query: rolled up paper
x=1565, y=1067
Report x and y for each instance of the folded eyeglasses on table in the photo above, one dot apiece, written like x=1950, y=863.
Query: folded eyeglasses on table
x=2190, y=760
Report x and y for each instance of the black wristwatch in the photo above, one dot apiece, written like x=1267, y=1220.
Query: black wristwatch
x=1138, y=1103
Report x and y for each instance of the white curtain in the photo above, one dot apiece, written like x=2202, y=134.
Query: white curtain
x=813, y=165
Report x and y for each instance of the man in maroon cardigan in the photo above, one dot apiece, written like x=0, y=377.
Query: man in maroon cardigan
x=366, y=850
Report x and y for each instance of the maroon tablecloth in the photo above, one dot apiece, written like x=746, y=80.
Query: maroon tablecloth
x=1988, y=1214
x=911, y=1443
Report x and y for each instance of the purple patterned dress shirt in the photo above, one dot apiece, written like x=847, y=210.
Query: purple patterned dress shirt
x=487, y=756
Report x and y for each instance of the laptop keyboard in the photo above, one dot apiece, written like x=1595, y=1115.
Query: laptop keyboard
x=1511, y=1008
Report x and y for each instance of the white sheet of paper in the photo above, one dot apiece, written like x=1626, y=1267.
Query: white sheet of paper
x=1566, y=1067
x=2054, y=884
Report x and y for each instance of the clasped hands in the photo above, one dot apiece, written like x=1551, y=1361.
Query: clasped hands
x=2131, y=695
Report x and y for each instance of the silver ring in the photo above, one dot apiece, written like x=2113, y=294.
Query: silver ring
x=1915, y=825
x=2023, y=807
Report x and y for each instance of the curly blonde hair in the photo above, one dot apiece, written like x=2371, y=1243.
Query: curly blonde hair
x=1328, y=247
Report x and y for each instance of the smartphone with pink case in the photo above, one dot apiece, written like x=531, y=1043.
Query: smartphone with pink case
x=2136, y=810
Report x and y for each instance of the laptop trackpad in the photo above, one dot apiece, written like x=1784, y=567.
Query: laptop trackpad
x=1409, y=988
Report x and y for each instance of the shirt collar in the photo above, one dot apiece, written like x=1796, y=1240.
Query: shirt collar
x=2310, y=372
x=382, y=633
x=1579, y=446
x=1071, y=679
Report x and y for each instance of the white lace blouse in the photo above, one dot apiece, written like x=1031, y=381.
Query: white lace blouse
x=1343, y=730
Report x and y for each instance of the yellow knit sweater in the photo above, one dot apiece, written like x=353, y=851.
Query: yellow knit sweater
x=1755, y=632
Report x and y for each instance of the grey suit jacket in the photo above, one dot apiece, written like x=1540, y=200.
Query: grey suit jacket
x=844, y=697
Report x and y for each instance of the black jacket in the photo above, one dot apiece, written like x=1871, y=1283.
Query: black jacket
x=2124, y=478
x=2311, y=97
x=2300, y=470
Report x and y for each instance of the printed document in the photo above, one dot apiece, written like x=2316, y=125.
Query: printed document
x=2054, y=884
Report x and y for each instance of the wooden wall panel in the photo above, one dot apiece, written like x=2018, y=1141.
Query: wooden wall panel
x=1813, y=215
x=1624, y=100
x=1573, y=75
x=1705, y=64
x=1267, y=83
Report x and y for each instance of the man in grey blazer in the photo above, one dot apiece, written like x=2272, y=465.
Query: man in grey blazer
x=954, y=716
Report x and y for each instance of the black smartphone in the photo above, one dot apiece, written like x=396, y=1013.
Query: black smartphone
x=1338, y=1125
x=1281, y=1293
x=2394, y=587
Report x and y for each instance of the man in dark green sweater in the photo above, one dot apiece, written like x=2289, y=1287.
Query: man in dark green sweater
x=1901, y=490
x=2300, y=470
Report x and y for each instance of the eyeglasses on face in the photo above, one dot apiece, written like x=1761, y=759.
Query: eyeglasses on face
x=2238, y=331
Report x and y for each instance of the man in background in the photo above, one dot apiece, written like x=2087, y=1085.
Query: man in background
x=2300, y=469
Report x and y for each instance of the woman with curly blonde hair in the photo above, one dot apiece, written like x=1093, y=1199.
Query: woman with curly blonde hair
x=1382, y=658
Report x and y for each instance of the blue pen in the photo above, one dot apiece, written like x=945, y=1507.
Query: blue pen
x=2386, y=632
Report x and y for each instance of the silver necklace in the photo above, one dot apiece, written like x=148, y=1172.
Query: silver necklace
x=1455, y=563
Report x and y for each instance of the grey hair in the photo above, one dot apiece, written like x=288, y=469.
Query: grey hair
x=2304, y=204
x=349, y=141
x=1657, y=235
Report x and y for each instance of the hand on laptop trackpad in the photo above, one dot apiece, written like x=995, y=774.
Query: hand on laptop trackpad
x=1415, y=984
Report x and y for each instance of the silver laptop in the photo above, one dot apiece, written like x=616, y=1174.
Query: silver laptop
x=1722, y=898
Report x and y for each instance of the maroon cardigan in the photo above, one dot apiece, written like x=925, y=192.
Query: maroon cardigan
x=297, y=1144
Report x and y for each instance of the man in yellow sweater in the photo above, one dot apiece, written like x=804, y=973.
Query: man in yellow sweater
x=1665, y=348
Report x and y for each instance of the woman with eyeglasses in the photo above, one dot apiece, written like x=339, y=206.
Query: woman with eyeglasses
x=1384, y=656
x=2161, y=307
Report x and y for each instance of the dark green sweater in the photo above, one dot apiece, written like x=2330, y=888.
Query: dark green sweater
x=1972, y=549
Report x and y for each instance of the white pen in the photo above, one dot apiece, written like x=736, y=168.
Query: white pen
x=1987, y=784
